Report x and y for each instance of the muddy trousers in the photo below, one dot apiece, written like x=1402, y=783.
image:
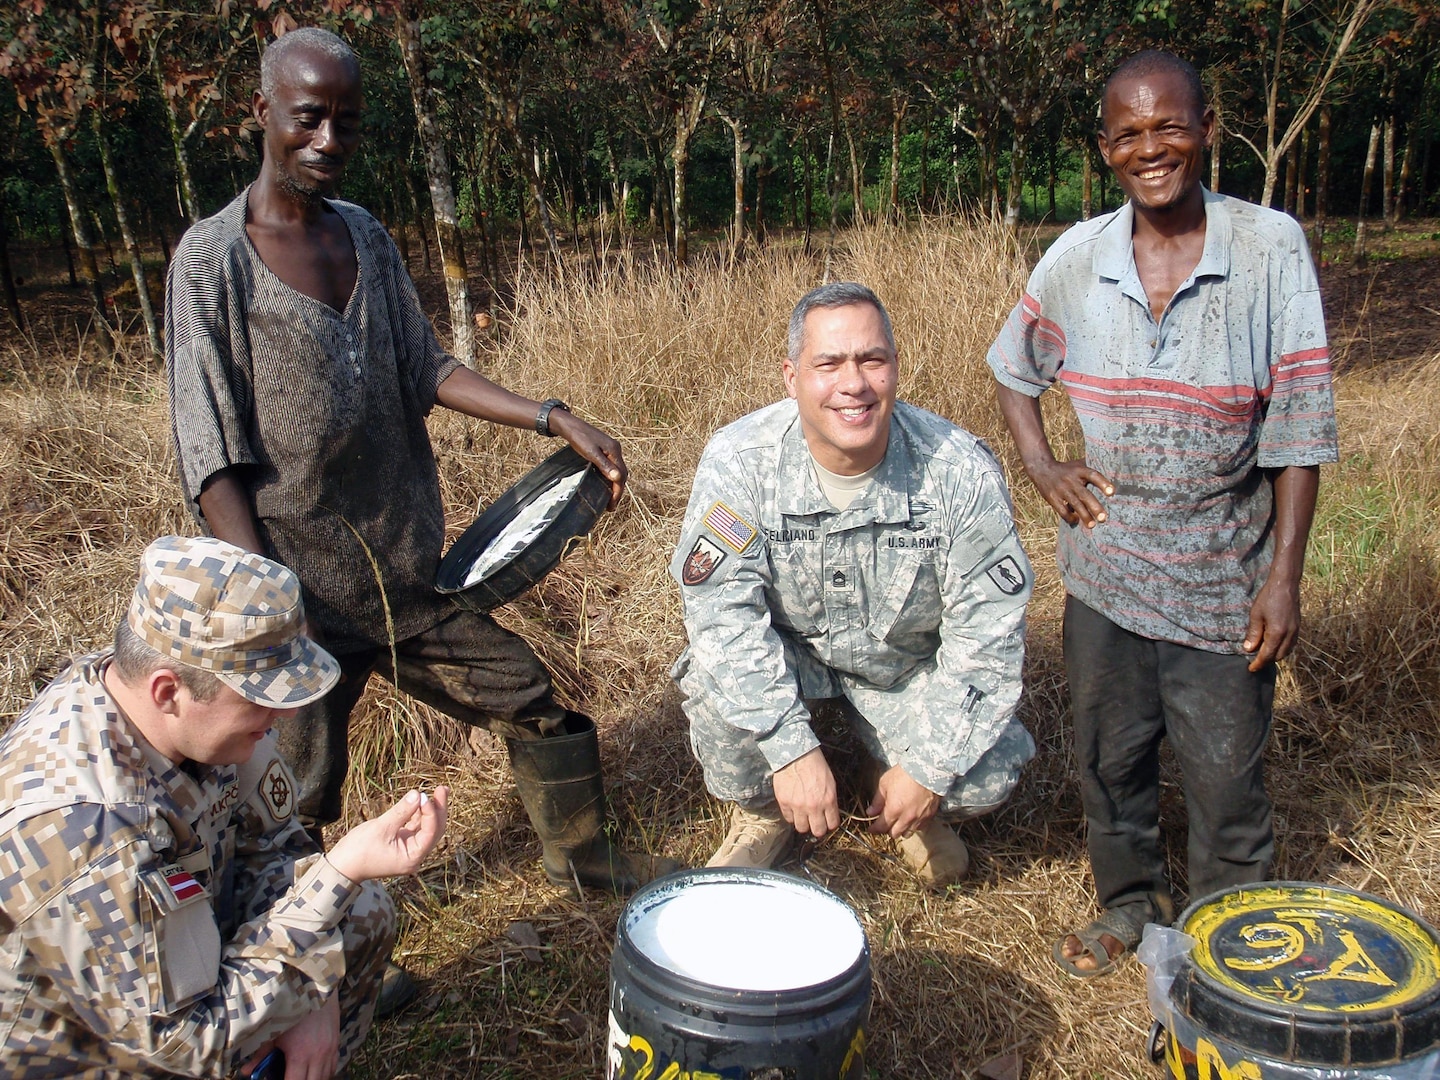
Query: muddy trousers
x=1128, y=692
x=468, y=667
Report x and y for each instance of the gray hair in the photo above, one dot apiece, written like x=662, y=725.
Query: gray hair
x=134, y=661
x=308, y=38
x=836, y=294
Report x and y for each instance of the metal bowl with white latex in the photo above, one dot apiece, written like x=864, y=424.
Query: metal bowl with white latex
x=523, y=535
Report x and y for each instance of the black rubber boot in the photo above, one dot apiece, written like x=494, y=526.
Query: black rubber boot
x=564, y=793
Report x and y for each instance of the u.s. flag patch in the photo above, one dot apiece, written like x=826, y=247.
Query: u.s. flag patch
x=183, y=885
x=730, y=527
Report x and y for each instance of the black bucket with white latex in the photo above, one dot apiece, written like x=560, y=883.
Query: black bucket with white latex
x=738, y=974
x=524, y=533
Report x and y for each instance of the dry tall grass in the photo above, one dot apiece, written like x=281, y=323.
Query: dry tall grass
x=663, y=359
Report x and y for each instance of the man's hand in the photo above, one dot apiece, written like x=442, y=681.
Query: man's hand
x=901, y=805
x=312, y=1047
x=396, y=842
x=1274, y=623
x=805, y=792
x=1067, y=487
x=595, y=447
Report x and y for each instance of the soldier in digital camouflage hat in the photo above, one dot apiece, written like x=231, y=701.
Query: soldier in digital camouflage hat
x=844, y=545
x=163, y=911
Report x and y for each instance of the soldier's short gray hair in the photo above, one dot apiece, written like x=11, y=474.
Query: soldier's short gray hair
x=836, y=294
x=309, y=38
x=134, y=661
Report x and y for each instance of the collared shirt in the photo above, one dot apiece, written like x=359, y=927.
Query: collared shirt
x=1181, y=415
x=154, y=918
x=324, y=413
x=914, y=596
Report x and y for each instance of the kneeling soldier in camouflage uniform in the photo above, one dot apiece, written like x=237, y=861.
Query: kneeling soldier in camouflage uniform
x=841, y=543
x=162, y=909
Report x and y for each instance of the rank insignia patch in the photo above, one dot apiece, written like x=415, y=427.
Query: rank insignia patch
x=1007, y=575
x=730, y=527
x=704, y=559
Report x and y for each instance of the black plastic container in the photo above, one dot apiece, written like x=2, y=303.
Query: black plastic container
x=1294, y=980
x=576, y=518
x=664, y=1023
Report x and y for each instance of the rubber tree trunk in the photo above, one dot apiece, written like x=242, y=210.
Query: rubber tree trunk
x=535, y=181
x=189, y=205
x=897, y=126
x=857, y=178
x=737, y=222
x=1015, y=187
x=1322, y=186
x=422, y=223
x=1366, y=185
x=687, y=116
x=1302, y=201
x=1292, y=170
x=1387, y=185
x=1397, y=208
x=442, y=191
x=762, y=173
x=85, y=246
x=1087, y=179
x=7, y=275
x=1215, y=143
x=127, y=236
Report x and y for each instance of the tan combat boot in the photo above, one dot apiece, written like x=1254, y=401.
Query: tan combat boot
x=936, y=855
x=757, y=839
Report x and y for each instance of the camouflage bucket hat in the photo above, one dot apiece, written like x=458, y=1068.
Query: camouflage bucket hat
x=211, y=605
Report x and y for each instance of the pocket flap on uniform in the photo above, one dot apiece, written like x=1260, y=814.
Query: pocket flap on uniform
x=186, y=937
x=883, y=617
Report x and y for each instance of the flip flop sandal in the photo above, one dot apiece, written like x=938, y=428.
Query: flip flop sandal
x=1109, y=922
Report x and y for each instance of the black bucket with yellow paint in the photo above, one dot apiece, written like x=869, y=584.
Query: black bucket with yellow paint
x=1296, y=981
x=741, y=975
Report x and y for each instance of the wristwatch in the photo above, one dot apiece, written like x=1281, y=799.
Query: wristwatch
x=542, y=418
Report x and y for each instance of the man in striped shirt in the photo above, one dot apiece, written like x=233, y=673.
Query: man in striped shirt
x=1186, y=328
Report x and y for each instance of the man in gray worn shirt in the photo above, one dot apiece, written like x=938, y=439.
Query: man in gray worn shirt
x=301, y=371
x=843, y=545
x=1186, y=329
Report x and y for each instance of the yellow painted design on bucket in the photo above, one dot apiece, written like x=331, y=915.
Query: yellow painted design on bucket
x=1288, y=918
x=1206, y=1062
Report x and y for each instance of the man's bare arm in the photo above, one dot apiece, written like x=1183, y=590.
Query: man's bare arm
x=1275, y=614
x=1065, y=485
x=227, y=509
x=474, y=395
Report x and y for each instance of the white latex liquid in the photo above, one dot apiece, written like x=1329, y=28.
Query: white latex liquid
x=524, y=528
x=749, y=935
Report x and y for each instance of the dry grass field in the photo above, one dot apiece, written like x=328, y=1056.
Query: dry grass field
x=662, y=359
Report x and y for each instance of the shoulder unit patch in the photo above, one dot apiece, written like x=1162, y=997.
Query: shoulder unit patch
x=730, y=527
x=1007, y=575
x=277, y=791
x=704, y=559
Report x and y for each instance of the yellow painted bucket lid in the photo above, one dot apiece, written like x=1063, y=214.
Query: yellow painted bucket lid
x=1312, y=974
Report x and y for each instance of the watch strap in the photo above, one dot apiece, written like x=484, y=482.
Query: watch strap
x=542, y=418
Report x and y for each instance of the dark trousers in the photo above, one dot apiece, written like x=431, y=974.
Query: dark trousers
x=468, y=667
x=1127, y=692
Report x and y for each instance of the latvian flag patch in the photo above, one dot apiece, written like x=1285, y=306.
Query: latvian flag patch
x=182, y=883
x=730, y=527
